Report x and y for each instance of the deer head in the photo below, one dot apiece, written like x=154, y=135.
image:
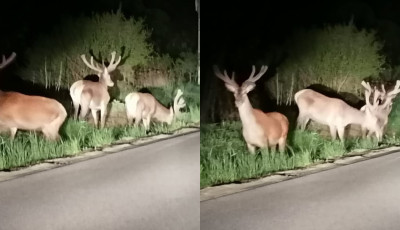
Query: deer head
x=179, y=102
x=6, y=61
x=104, y=71
x=240, y=92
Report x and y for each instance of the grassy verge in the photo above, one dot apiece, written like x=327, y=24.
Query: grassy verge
x=224, y=157
x=29, y=147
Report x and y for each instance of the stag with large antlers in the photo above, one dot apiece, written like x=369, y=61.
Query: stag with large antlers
x=144, y=106
x=382, y=104
x=25, y=112
x=260, y=129
x=94, y=95
x=335, y=113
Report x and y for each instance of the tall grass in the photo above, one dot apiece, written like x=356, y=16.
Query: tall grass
x=30, y=147
x=224, y=157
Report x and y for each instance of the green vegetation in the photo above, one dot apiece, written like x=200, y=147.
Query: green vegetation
x=338, y=57
x=224, y=157
x=30, y=147
x=54, y=59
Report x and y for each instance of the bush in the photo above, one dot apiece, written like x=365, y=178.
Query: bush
x=55, y=57
x=338, y=56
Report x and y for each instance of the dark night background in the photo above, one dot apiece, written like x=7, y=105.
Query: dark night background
x=238, y=34
x=171, y=22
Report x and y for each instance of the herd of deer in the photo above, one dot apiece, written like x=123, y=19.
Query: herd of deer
x=267, y=130
x=37, y=113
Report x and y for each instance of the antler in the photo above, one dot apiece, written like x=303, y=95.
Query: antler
x=368, y=93
x=113, y=65
x=253, y=78
x=179, y=102
x=91, y=65
x=225, y=77
x=391, y=95
x=8, y=60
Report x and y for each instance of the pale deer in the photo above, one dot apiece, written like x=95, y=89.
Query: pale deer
x=94, y=95
x=382, y=104
x=259, y=129
x=144, y=106
x=25, y=112
x=335, y=113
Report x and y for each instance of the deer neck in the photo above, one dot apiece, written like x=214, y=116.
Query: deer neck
x=163, y=114
x=246, y=112
x=103, y=83
x=354, y=116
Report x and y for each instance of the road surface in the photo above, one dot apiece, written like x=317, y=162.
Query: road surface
x=150, y=187
x=364, y=195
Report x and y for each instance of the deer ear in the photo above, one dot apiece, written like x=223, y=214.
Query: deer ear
x=248, y=87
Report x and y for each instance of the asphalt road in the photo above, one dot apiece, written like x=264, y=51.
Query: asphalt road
x=364, y=195
x=149, y=187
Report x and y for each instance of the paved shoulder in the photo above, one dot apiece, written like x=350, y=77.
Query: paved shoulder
x=363, y=195
x=150, y=187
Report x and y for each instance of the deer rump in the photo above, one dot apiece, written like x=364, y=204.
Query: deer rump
x=143, y=105
x=30, y=112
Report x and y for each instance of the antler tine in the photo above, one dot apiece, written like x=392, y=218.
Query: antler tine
x=91, y=66
x=6, y=61
x=113, y=65
x=179, y=102
x=383, y=89
x=264, y=69
x=367, y=93
x=395, y=90
x=376, y=96
x=253, y=71
x=224, y=77
x=366, y=85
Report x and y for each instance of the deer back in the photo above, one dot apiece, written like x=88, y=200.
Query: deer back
x=321, y=108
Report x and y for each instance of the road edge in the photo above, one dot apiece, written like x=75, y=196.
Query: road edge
x=214, y=192
x=91, y=154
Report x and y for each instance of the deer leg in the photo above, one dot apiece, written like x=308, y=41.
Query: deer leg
x=282, y=144
x=332, y=130
x=130, y=117
x=302, y=122
x=95, y=118
x=252, y=148
x=76, y=109
x=146, y=122
x=364, y=132
x=273, y=148
x=84, y=111
x=13, y=131
x=103, y=115
x=341, y=133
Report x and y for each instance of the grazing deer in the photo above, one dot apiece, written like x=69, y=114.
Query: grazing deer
x=335, y=113
x=383, y=109
x=20, y=111
x=144, y=106
x=94, y=95
x=259, y=129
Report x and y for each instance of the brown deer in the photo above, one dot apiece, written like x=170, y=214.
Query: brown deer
x=25, y=112
x=382, y=104
x=144, y=106
x=259, y=129
x=94, y=95
x=335, y=113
